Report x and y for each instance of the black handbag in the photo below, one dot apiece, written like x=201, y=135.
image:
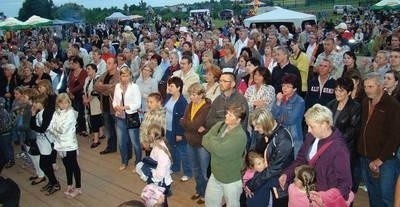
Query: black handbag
x=132, y=120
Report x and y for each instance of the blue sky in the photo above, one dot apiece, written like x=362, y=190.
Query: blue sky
x=11, y=7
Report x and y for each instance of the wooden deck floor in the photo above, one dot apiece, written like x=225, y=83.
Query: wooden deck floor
x=103, y=184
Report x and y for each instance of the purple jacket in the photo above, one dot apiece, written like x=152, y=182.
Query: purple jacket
x=332, y=166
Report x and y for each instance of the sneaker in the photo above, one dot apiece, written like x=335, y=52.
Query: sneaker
x=54, y=188
x=185, y=178
x=75, y=192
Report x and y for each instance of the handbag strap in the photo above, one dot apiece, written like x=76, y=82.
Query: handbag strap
x=46, y=138
x=319, y=152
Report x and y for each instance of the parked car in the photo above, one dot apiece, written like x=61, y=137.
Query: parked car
x=341, y=9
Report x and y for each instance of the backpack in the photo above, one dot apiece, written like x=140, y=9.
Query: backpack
x=6, y=121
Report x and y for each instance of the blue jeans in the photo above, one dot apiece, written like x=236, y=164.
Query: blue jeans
x=109, y=124
x=200, y=161
x=125, y=137
x=380, y=189
x=179, y=155
x=6, y=146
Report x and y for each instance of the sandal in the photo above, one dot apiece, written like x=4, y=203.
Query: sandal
x=53, y=189
x=36, y=181
x=46, y=187
x=95, y=144
x=33, y=178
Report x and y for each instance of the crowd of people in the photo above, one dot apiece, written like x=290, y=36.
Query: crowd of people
x=256, y=116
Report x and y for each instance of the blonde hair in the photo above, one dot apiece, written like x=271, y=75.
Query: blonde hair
x=156, y=133
x=319, y=114
x=263, y=118
x=198, y=89
x=61, y=98
x=126, y=71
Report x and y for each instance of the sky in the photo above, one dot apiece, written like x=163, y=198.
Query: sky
x=11, y=7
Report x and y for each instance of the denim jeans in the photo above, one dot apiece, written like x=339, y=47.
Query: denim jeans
x=200, y=161
x=229, y=191
x=125, y=137
x=380, y=189
x=6, y=146
x=179, y=155
x=109, y=124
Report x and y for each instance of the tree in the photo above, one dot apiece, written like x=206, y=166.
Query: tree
x=41, y=8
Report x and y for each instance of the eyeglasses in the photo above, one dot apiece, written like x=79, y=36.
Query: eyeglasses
x=225, y=81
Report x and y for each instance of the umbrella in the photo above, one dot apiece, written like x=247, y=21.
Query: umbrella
x=12, y=23
x=387, y=5
x=36, y=21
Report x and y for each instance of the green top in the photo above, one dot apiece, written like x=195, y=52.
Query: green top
x=226, y=152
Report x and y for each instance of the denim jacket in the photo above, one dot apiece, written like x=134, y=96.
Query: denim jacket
x=290, y=115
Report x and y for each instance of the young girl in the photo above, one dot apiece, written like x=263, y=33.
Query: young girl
x=255, y=163
x=44, y=141
x=160, y=153
x=154, y=115
x=302, y=191
x=64, y=131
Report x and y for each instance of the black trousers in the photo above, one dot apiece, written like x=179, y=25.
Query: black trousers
x=72, y=168
x=46, y=164
x=77, y=104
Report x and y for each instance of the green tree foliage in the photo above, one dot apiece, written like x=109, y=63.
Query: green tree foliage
x=41, y=8
x=70, y=11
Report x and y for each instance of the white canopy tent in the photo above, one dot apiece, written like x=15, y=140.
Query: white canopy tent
x=387, y=5
x=117, y=16
x=280, y=15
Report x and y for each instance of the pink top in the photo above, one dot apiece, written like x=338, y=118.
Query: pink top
x=331, y=198
x=249, y=174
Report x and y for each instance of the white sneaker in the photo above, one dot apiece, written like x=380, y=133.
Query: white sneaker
x=184, y=178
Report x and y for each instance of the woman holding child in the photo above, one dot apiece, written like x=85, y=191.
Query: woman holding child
x=325, y=150
x=278, y=155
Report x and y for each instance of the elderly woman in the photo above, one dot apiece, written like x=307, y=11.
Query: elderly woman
x=193, y=122
x=39, y=73
x=278, y=153
x=324, y=149
x=289, y=108
x=226, y=142
x=8, y=84
x=126, y=101
x=346, y=117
